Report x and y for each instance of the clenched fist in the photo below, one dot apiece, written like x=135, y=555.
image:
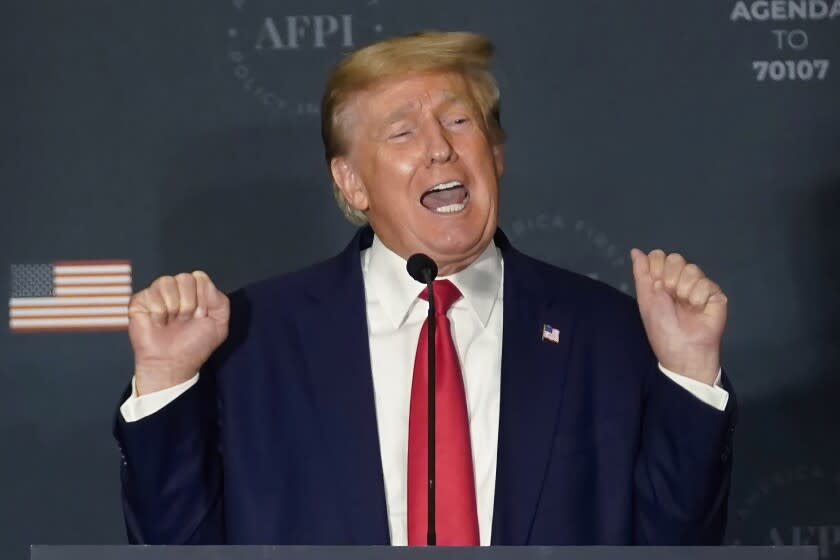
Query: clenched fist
x=174, y=325
x=683, y=311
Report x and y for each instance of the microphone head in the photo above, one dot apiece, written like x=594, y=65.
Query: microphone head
x=421, y=267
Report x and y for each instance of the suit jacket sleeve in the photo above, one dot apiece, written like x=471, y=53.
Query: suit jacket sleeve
x=683, y=468
x=172, y=477
x=171, y=471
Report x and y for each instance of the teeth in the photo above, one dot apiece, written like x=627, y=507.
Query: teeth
x=451, y=208
x=444, y=186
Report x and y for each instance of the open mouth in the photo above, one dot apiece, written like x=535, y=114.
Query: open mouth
x=446, y=198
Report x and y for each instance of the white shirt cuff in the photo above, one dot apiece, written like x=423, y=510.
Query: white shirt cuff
x=715, y=396
x=138, y=407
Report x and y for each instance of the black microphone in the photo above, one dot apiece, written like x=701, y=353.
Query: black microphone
x=423, y=269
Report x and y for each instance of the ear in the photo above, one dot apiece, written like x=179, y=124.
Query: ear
x=499, y=158
x=349, y=183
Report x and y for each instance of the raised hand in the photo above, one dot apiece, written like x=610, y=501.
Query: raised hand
x=174, y=325
x=683, y=311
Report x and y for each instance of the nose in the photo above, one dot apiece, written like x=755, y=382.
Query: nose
x=438, y=145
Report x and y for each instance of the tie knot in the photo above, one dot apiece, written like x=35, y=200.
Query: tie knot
x=445, y=295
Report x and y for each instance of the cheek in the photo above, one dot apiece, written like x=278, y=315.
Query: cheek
x=391, y=174
x=483, y=166
x=405, y=158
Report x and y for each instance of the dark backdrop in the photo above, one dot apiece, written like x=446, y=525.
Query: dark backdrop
x=185, y=134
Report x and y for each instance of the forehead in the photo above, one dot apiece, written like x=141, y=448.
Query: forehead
x=412, y=92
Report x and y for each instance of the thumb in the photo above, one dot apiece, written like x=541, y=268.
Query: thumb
x=210, y=299
x=641, y=264
x=642, y=277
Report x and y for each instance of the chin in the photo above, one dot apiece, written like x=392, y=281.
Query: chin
x=457, y=243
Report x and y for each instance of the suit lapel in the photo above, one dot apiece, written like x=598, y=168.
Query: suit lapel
x=342, y=387
x=335, y=342
x=532, y=382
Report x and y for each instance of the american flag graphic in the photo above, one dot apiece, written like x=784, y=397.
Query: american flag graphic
x=550, y=333
x=70, y=296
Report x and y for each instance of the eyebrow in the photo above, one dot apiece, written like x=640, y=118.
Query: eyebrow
x=447, y=99
x=398, y=114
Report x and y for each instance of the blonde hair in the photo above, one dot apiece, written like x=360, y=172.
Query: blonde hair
x=431, y=51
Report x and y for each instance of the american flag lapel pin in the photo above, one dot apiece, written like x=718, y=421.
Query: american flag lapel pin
x=550, y=333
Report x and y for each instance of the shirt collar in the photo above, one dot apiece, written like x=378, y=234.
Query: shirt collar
x=387, y=282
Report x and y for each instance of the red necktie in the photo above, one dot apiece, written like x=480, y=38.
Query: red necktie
x=456, y=517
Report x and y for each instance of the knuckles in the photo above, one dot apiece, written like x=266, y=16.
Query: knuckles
x=156, y=294
x=693, y=270
x=178, y=293
x=676, y=264
x=164, y=282
x=184, y=278
x=684, y=281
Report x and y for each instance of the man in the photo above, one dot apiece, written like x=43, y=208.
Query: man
x=305, y=423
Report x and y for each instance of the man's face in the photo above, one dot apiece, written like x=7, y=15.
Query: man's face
x=422, y=167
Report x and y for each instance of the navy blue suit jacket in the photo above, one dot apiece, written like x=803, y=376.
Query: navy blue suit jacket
x=277, y=442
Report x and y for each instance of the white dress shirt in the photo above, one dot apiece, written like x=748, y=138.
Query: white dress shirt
x=395, y=315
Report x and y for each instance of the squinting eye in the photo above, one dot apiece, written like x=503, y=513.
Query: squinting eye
x=400, y=134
